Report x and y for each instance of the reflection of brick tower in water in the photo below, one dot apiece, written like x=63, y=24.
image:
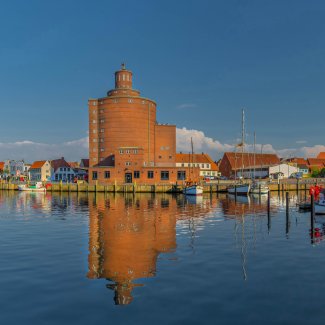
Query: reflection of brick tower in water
x=126, y=237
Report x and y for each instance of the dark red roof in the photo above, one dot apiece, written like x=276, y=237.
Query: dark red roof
x=57, y=163
x=246, y=160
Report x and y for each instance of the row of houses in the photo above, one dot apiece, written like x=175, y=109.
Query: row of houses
x=267, y=165
x=45, y=170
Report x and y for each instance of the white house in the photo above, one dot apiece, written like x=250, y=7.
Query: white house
x=285, y=169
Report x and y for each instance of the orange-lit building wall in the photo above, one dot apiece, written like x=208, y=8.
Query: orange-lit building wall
x=165, y=145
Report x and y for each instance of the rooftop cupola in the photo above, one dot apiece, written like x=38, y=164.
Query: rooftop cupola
x=123, y=78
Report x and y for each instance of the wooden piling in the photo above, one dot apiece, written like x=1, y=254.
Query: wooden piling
x=312, y=217
x=287, y=213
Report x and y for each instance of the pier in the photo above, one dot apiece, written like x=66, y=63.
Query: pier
x=211, y=187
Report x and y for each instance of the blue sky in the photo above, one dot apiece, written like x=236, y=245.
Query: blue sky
x=201, y=61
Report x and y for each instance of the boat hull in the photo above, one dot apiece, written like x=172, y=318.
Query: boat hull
x=319, y=209
x=31, y=189
x=239, y=189
x=259, y=190
x=193, y=190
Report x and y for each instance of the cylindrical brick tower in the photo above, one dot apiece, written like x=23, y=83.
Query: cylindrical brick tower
x=122, y=119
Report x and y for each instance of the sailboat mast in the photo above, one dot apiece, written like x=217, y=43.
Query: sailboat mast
x=254, y=154
x=242, y=142
x=192, y=154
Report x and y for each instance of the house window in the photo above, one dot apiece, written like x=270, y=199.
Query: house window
x=159, y=157
x=94, y=175
x=135, y=151
x=207, y=165
x=202, y=165
x=127, y=163
x=94, y=131
x=164, y=175
x=102, y=121
x=127, y=151
x=102, y=149
x=181, y=175
x=150, y=174
x=101, y=140
x=136, y=174
x=102, y=130
x=107, y=174
x=94, y=140
x=121, y=152
x=170, y=157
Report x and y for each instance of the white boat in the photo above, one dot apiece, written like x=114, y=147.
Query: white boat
x=259, y=188
x=320, y=204
x=193, y=190
x=239, y=189
x=38, y=187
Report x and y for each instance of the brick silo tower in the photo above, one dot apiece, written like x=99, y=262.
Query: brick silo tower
x=122, y=119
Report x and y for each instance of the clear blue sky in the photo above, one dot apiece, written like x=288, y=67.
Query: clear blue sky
x=201, y=61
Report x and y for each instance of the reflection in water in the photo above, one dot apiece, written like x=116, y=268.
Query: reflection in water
x=127, y=233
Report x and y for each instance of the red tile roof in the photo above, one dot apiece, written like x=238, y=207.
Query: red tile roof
x=237, y=160
x=37, y=164
x=316, y=162
x=2, y=165
x=203, y=158
x=321, y=155
x=73, y=164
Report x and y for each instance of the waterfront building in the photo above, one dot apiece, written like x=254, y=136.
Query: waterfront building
x=235, y=162
x=62, y=171
x=303, y=169
x=208, y=168
x=40, y=170
x=126, y=144
x=14, y=167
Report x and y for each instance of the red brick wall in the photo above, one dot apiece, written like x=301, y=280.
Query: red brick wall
x=165, y=145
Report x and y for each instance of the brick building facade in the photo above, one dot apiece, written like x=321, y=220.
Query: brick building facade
x=126, y=144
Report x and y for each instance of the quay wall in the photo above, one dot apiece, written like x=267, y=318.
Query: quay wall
x=212, y=187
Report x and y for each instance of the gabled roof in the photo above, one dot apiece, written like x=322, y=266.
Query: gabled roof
x=73, y=164
x=321, y=155
x=316, y=162
x=239, y=160
x=298, y=160
x=37, y=164
x=2, y=165
x=202, y=158
x=57, y=163
x=84, y=163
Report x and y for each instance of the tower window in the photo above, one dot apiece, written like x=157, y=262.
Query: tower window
x=164, y=175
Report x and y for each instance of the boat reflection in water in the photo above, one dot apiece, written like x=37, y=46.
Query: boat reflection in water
x=128, y=232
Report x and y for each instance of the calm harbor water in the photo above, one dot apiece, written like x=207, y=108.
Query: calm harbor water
x=162, y=259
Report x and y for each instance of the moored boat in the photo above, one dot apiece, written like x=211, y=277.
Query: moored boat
x=239, y=189
x=320, y=204
x=38, y=187
x=193, y=190
x=259, y=188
